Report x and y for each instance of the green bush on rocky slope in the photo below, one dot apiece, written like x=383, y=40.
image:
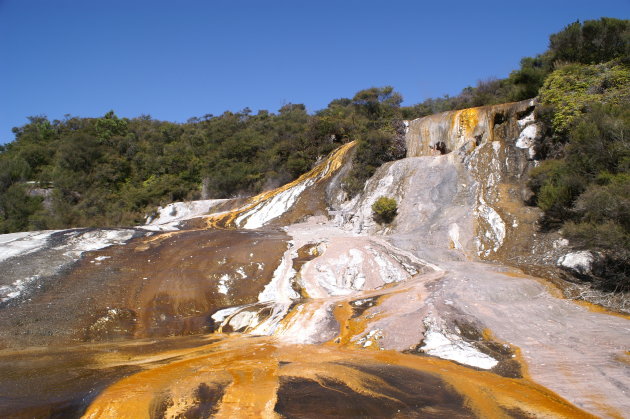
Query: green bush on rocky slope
x=583, y=183
x=585, y=189
x=384, y=209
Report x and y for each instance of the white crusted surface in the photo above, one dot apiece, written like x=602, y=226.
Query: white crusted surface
x=76, y=243
x=243, y=320
x=11, y=291
x=527, y=138
x=526, y=120
x=279, y=288
x=86, y=241
x=309, y=325
x=222, y=286
x=268, y=325
x=443, y=344
x=16, y=244
x=453, y=233
x=496, y=233
x=560, y=243
x=353, y=264
x=272, y=208
x=363, y=220
x=170, y=215
x=221, y=315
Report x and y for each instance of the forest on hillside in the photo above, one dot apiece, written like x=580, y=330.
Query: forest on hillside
x=112, y=171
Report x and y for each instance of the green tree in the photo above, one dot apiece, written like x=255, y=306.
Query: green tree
x=591, y=42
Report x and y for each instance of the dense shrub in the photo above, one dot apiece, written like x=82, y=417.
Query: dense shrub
x=594, y=41
x=587, y=190
x=384, y=209
x=585, y=187
x=556, y=187
x=377, y=148
x=603, y=221
x=380, y=133
x=572, y=88
x=606, y=200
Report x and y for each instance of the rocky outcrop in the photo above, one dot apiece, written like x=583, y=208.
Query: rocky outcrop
x=464, y=130
x=464, y=185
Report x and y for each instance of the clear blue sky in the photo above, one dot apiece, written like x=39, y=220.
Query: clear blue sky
x=178, y=59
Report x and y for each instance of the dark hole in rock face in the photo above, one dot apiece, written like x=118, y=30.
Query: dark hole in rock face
x=499, y=118
x=478, y=139
x=441, y=147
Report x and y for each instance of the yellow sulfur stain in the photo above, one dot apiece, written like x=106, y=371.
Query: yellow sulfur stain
x=467, y=119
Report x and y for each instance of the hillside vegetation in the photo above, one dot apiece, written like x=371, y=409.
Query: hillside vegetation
x=113, y=171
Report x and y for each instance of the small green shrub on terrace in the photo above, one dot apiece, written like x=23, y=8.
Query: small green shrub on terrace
x=384, y=210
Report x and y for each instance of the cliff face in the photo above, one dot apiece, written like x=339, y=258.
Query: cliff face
x=466, y=129
x=463, y=184
x=493, y=147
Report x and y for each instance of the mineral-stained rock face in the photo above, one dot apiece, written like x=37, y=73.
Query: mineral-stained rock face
x=464, y=130
x=464, y=185
x=295, y=303
x=492, y=150
x=157, y=285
